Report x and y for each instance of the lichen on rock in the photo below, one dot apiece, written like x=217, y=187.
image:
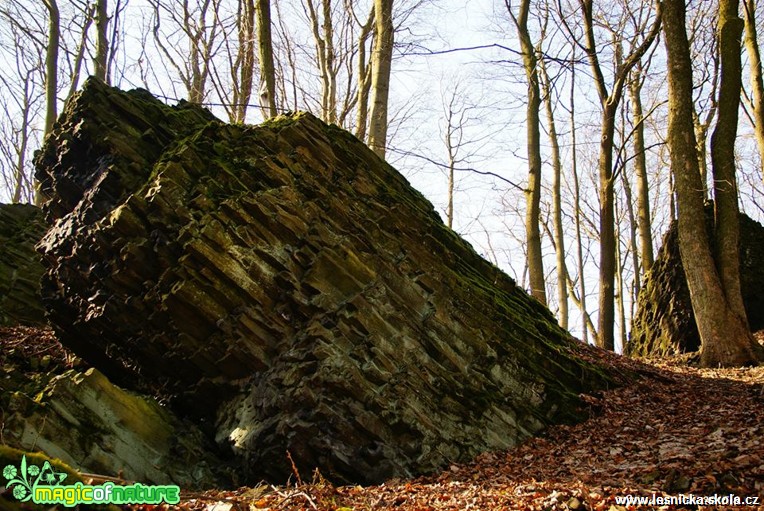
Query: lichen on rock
x=290, y=290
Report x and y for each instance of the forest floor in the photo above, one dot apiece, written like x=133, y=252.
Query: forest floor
x=678, y=431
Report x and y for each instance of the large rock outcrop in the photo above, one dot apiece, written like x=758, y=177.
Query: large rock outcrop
x=21, y=227
x=664, y=324
x=288, y=289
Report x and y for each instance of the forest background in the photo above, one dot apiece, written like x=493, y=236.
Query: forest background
x=543, y=198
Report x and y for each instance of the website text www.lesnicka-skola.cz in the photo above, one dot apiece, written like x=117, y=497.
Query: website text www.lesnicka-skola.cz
x=687, y=500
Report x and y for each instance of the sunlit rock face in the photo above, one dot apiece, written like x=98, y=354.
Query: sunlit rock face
x=287, y=289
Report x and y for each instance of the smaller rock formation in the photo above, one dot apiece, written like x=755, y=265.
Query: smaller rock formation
x=81, y=418
x=21, y=227
x=78, y=416
x=664, y=324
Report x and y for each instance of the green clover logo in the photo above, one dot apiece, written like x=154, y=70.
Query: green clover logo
x=19, y=483
x=22, y=481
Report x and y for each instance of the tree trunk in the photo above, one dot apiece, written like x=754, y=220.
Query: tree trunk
x=267, y=68
x=559, y=237
x=364, y=79
x=726, y=225
x=245, y=59
x=757, y=81
x=21, y=151
x=644, y=220
x=100, y=62
x=606, y=323
x=533, y=144
x=577, y=198
x=725, y=339
x=609, y=101
x=51, y=75
x=382, y=58
x=51, y=65
x=632, y=232
x=619, y=295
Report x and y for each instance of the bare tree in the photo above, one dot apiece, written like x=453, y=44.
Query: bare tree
x=186, y=35
x=723, y=157
x=705, y=59
x=463, y=136
x=610, y=98
x=757, y=79
x=725, y=339
x=533, y=144
x=364, y=76
x=21, y=103
x=382, y=58
x=101, y=60
x=267, y=67
x=51, y=64
x=559, y=238
x=640, y=170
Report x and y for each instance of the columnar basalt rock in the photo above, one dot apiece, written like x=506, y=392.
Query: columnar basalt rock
x=288, y=289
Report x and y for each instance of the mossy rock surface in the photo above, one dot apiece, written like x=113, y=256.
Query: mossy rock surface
x=290, y=291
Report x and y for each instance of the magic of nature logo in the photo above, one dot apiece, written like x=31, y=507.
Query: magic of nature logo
x=44, y=485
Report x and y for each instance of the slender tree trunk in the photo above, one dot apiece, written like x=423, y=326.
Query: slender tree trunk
x=267, y=67
x=757, y=80
x=21, y=151
x=245, y=60
x=101, y=60
x=619, y=294
x=577, y=198
x=382, y=58
x=533, y=144
x=701, y=133
x=51, y=74
x=559, y=237
x=331, y=92
x=725, y=339
x=644, y=219
x=632, y=229
x=450, y=206
x=364, y=79
x=79, y=56
x=323, y=35
x=609, y=101
x=51, y=65
x=606, y=323
x=723, y=157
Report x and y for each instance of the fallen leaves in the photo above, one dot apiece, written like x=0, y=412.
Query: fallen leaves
x=675, y=430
